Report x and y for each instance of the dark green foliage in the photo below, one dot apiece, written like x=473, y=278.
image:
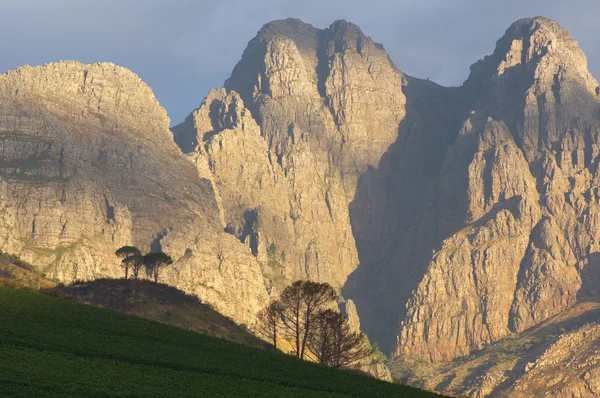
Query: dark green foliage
x=56, y=348
x=127, y=251
x=272, y=250
x=156, y=262
x=132, y=257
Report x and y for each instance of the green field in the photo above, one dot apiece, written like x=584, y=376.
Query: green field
x=53, y=347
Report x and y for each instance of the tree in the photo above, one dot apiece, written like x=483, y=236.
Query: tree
x=321, y=341
x=314, y=296
x=136, y=264
x=156, y=262
x=127, y=253
x=299, y=304
x=269, y=320
x=334, y=343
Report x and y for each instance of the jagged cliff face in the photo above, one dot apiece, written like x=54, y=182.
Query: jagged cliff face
x=304, y=114
x=518, y=233
x=89, y=164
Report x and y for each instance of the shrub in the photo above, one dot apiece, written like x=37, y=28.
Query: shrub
x=272, y=250
x=378, y=356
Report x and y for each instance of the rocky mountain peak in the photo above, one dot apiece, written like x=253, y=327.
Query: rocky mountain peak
x=535, y=47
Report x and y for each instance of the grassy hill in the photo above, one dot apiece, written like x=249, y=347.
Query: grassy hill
x=143, y=298
x=161, y=303
x=54, y=347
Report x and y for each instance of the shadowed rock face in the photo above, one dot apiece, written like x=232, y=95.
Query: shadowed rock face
x=450, y=216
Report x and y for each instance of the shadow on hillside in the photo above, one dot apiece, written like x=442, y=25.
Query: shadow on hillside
x=162, y=303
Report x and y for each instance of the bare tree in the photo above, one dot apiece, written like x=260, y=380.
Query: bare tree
x=291, y=311
x=156, y=262
x=321, y=341
x=314, y=296
x=127, y=253
x=269, y=321
x=299, y=304
x=136, y=264
x=347, y=346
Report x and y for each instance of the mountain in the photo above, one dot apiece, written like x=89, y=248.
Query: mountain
x=89, y=164
x=451, y=218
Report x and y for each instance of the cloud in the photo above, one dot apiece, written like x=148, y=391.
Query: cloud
x=181, y=48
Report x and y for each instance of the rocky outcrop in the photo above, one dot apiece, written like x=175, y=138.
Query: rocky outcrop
x=89, y=164
x=568, y=368
x=557, y=358
x=516, y=228
x=454, y=216
x=305, y=112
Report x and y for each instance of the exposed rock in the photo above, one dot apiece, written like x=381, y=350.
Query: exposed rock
x=519, y=192
x=327, y=105
x=89, y=164
x=568, y=368
x=470, y=212
x=536, y=362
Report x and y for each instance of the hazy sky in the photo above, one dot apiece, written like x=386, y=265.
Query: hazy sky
x=182, y=48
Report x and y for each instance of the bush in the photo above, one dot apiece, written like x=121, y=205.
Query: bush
x=272, y=250
x=377, y=355
x=4, y=273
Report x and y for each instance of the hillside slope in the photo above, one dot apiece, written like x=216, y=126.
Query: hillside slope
x=55, y=347
x=161, y=303
x=557, y=358
x=154, y=301
x=451, y=218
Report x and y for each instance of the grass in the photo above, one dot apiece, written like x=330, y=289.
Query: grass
x=52, y=347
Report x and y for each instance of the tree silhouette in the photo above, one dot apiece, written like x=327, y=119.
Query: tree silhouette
x=269, y=320
x=136, y=264
x=127, y=254
x=334, y=343
x=299, y=305
x=156, y=262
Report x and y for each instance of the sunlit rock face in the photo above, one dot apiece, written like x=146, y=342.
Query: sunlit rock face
x=516, y=199
x=89, y=164
x=304, y=114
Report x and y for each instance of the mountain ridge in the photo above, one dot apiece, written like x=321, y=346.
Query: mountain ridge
x=452, y=217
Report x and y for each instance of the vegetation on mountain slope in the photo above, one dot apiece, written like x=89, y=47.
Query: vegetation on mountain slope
x=54, y=347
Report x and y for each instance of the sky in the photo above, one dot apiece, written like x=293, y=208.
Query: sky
x=182, y=48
